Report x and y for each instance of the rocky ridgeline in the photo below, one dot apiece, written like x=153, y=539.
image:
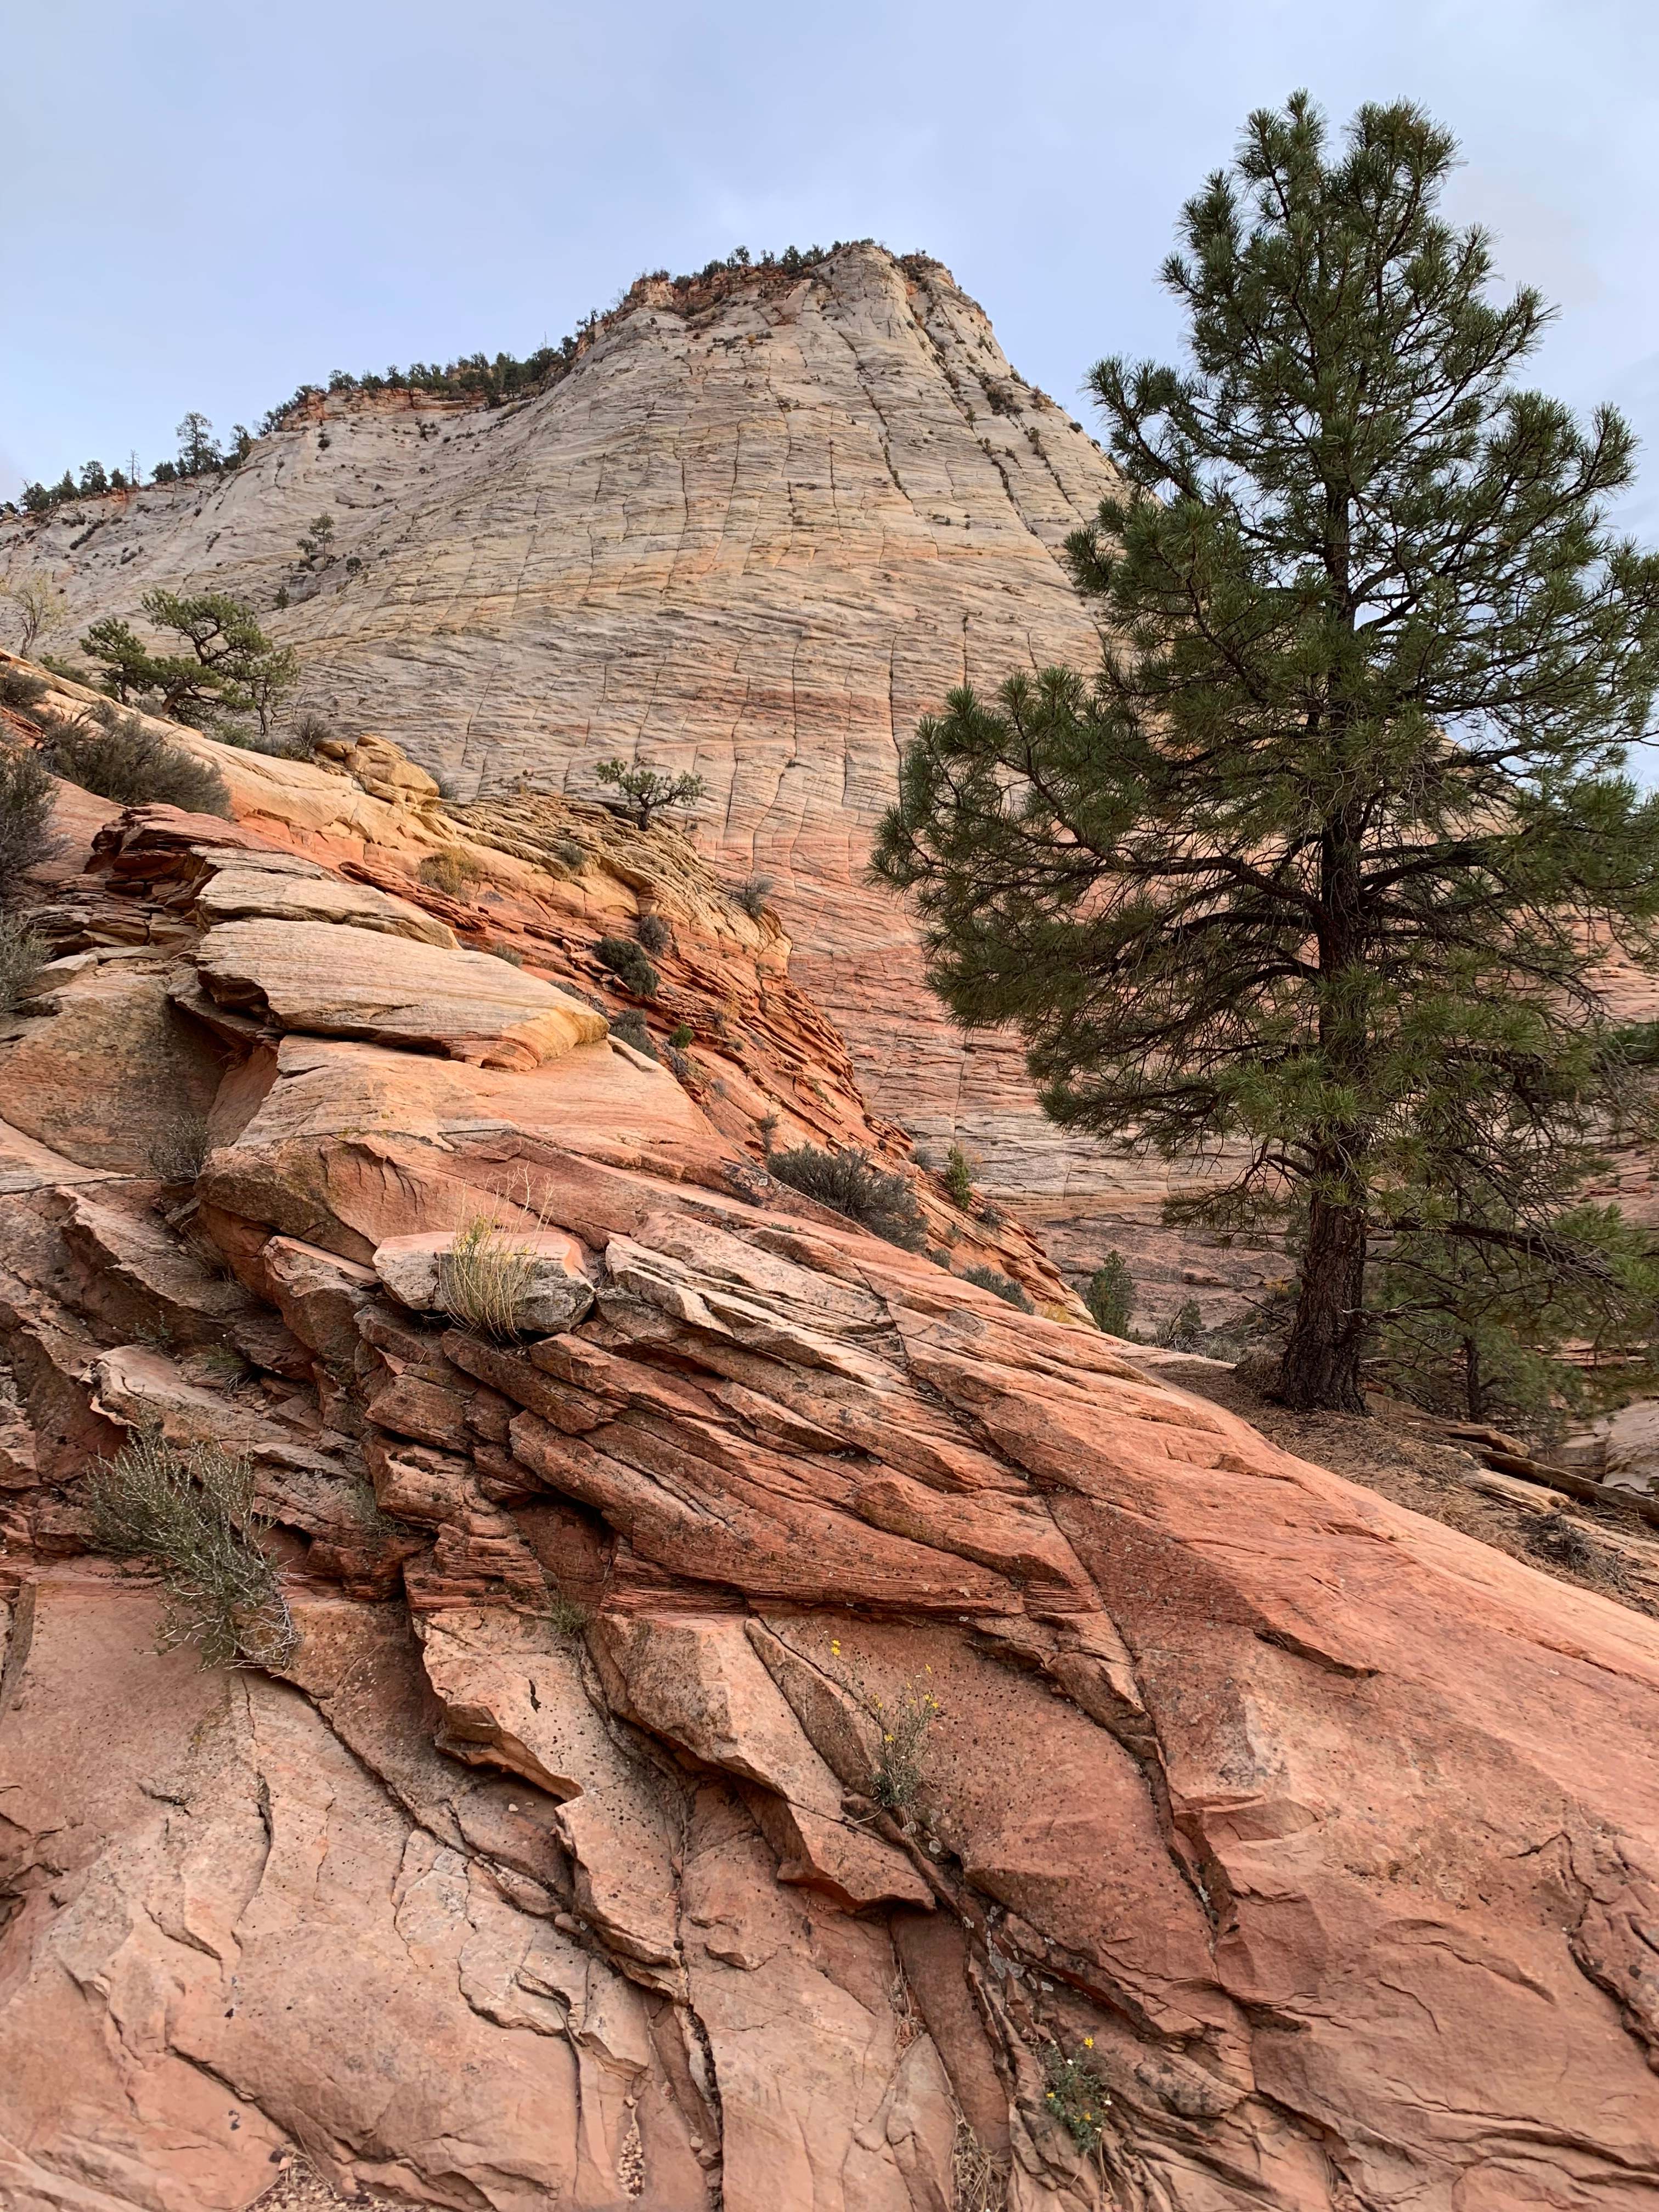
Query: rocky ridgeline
x=789, y=1732
x=539, y=882
x=760, y=528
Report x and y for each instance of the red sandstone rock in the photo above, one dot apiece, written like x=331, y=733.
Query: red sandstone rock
x=732, y=1736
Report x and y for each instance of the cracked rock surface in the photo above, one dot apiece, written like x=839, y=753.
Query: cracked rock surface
x=741, y=1744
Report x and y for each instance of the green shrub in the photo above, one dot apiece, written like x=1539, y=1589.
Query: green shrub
x=654, y=933
x=22, y=955
x=1110, y=1295
x=21, y=689
x=847, y=1181
x=1184, y=1329
x=959, y=1177
x=626, y=962
x=681, y=1036
x=190, y=1510
x=25, y=812
x=1076, y=2096
x=1004, y=1286
x=114, y=756
x=631, y=1029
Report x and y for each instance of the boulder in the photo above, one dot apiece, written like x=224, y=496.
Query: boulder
x=1631, y=1443
x=319, y=1295
x=113, y=1073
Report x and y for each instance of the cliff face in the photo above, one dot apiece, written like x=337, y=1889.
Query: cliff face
x=758, y=540
x=794, y=1736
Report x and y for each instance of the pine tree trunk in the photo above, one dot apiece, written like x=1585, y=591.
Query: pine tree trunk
x=1319, y=1372
x=1474, y=1393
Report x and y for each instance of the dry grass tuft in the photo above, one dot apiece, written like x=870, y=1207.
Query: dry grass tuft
x=484, y=1279
x=454, y=870
x=179, y=1151
x=22, y=955
x=190, y=1510
x=980, y=2182
x=567, y=1618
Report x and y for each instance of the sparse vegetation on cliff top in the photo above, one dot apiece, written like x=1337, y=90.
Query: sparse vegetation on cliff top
x=482, y=379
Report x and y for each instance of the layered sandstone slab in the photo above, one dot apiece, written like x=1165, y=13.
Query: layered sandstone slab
x=345, y=981
x=298, y=891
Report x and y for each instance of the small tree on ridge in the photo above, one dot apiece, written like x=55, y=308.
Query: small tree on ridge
x=645, y=793
x=232, y=669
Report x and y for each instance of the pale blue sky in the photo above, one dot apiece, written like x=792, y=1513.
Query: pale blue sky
x=206, y=205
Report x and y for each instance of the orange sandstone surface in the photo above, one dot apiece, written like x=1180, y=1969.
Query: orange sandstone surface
x=793, y=1737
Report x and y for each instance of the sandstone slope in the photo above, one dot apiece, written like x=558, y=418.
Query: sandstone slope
x=758, y=531
x=574, y=1860
x=539, y=882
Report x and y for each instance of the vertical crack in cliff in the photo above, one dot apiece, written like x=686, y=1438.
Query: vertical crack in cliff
x=885, y=440
x=953, y=386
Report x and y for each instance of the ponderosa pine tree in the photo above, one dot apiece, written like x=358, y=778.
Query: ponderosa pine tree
x=232, y=669
x=1317, y=877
